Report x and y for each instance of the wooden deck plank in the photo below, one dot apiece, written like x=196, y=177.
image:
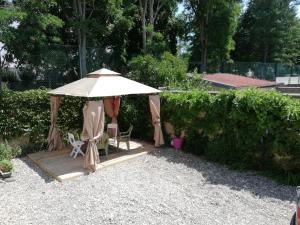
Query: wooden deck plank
x=62, y=167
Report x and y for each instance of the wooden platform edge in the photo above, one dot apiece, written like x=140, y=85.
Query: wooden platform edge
x=121, y=159
x=44, y=168
x=100, y=166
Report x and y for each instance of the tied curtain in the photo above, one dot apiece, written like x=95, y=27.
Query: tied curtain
x=54, y=139
x=154, y=102
x=93, y=126
x=112, y=106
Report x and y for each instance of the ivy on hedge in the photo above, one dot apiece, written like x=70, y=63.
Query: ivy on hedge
x=247, y=129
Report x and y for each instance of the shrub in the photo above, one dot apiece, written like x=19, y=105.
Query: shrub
x=6, y=165
x=7, y=152
x=135, y=110
x=191, y=109
x=7, y=75
x=158, y=72
x=27, y=75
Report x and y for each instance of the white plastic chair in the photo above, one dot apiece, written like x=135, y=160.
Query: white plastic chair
x=115, y=127
x=76, y=146
x=125, y=137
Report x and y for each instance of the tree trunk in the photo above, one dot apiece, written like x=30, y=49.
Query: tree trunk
x=144, y=33
x=151, y=12
x=203, y=40
x=151, y=18
x=143, y=10
x=82, y=52
x=266, y=52
x=80, y=10
x=1, y=69
x=204, y=35
x=204, y=58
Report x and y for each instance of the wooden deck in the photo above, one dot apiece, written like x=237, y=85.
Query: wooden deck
x=62, y=167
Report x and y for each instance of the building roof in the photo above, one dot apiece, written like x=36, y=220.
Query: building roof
x=236, y=81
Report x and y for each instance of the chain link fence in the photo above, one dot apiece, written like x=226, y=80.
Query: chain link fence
x=54, y=67
x=57, y=65
x=266, y=71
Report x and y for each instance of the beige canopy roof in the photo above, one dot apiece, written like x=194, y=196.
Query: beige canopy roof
x=103, y=83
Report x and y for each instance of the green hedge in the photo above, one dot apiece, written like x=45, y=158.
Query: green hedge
x=249, y=129
x=28, y=114
x=24, y=113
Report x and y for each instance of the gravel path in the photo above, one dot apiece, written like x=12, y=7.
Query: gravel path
x=165, y=187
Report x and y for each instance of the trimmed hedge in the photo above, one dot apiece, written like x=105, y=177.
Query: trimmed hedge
x=24, y=113
x=28, y=114
x=250, y=129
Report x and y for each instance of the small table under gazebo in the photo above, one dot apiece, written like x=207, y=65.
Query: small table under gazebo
x=109, y=86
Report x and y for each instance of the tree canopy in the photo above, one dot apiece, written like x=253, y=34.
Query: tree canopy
x=213, y=23
x=74, y=37
x=269, y=31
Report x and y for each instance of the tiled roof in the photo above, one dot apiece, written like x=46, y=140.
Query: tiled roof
x=236, y=81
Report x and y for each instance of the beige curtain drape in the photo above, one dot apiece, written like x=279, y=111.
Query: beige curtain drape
x=112, y=107
x=54, y=139
x=154, y=102
x=93, y=126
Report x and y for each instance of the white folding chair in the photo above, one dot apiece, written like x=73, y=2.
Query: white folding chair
x=114, y=127
x=76, y=146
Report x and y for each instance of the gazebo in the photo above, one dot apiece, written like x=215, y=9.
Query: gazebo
x=109, y=86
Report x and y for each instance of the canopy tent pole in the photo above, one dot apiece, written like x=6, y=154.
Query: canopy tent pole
x=154, y=102
x=54, y=139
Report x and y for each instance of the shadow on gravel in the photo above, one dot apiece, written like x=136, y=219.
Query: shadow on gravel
x=216, y=174
x=37, y=170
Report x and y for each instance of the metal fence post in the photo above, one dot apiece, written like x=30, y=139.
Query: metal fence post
x=276, y=69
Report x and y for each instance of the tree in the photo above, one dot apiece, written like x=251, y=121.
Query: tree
x=8, y=15
x=32, y=32
x=98, y=28
x=213, y=24
x=101, y=29
x=72, y=37
x=158, y=72
x=80, y=14
x=152, y=12
x=268, y=31
x=143, y=7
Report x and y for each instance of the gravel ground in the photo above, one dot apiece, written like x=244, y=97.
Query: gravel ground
x=165, y=187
